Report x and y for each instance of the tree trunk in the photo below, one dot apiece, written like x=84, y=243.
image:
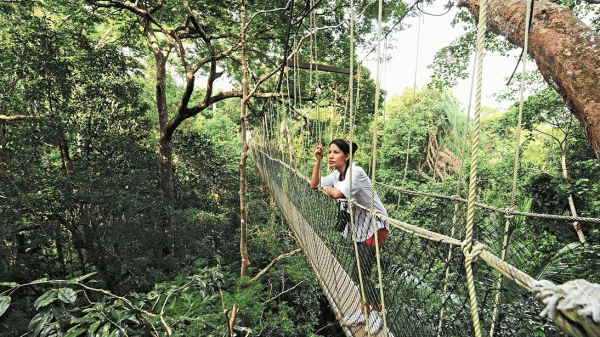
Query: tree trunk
x=563, y=164
x=243, y=108
x=60, y=250
x=566, y=52
x=63, y=147
x=165, y=142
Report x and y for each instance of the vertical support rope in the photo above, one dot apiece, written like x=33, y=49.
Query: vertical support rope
x=468, y=242
x=374, y=164
x=412, y=103
x=513, y=196
x=316, y=73
x=294, y=75
x=351, y=139
x=458, y=188
x=291, y=106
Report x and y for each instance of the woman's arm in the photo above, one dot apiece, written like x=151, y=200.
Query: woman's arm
x=334, y=192
x=315, y=179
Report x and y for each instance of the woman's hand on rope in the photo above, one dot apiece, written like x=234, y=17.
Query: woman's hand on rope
x=319, y=151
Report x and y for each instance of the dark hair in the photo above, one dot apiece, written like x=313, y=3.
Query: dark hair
x=344, y=145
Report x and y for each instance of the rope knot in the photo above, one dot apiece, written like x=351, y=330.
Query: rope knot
x=373, y=213
x=510, y=212
x=473, y=255
x=573, y=306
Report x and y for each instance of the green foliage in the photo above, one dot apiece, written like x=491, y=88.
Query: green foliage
x=414, y=119
x=189, y=305
x=4, y=303
x=182, y=301
x=79, y=172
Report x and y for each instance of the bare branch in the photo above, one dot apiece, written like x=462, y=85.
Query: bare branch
x=268, y=11
x=216, y=56
x=275, y=260
x=134, y=9
x=286, y=291
x=19, y=117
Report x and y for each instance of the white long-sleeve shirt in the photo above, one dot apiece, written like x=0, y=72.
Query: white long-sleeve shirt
x=361, y=192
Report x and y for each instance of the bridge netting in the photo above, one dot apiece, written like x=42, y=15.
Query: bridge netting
x=422, y=263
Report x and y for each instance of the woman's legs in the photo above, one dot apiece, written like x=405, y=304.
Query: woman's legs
x=367, y=258
x=367, y=255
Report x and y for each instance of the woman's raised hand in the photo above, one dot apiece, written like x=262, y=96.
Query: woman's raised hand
x=319, y=150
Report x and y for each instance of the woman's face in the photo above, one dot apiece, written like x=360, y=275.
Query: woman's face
x=337, y=159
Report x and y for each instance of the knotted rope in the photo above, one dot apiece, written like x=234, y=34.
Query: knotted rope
x=574, y=306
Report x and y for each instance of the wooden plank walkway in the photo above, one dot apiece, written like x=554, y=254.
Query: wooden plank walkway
x=341, y=292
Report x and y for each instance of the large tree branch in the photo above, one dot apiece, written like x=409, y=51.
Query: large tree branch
x=216, y=56
x=566, y=51
x=191, y=112
x=146, y=14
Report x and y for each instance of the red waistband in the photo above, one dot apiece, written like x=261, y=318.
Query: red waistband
x=382, y=235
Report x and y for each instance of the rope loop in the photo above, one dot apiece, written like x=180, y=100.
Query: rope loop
x=473, y=255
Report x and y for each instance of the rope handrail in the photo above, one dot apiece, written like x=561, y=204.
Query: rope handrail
x=397, y=223
x=430, y=234
x=507, y=211
x=424, y=233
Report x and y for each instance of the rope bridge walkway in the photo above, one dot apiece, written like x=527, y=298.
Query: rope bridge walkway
x=422, y=268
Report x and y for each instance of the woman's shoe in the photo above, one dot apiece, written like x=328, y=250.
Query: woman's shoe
x=375, y=322
x=355, y=319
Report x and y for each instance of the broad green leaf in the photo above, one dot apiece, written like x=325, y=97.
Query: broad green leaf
x=49, y=329
x=48, y=297
x=115, y=333
x=9, y=284
x=4, y=303
x=84, y=319
x=94, y=326
x=67, y=295
x=75, y=331
x=37, y=323
x=62, y=316
x=80, y=278
x=116, y=315
x=104, y=330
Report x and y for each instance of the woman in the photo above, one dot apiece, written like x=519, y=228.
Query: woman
x=337, y=186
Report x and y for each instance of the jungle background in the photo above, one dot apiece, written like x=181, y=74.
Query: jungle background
x=121, y=166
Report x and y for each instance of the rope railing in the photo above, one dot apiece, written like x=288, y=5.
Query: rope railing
x=432, y=235
x=397, y=223
x=506, y=211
